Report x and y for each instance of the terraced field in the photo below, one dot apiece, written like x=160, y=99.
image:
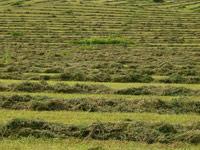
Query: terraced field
x=99, y=74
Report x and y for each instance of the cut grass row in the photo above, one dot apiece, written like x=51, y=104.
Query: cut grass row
x=85, y=118
x=77, y=144
x=129, y=131
x=101, y=96
x=72, y=76
x=108, y=84
x=56, y=77
x=98, y=89
x=27, y=102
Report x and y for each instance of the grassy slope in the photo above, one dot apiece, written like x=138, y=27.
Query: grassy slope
x=41, y=35
x=49, y=28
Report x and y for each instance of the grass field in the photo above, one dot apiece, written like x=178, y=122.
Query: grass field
x=99, y=74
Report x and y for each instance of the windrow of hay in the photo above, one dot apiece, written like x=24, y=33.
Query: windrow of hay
x=28, y=102
x=99, y=89
x=156, y=90
x=59, y=87
x=59, y=74
x=130, y=131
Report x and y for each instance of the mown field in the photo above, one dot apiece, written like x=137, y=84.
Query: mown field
x=99, y=74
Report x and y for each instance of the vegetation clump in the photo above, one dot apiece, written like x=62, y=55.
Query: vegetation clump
x=158, y=1
x=75, y=76
x=103, y=40
x=30, y=86
x=17, y=34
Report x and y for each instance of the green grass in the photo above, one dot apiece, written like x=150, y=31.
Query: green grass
x=18, y=3
x=103, y=96
x=109, y=84
x=16, y=34
x=76, y=144
x=84, y=118
x=103, y=40
x=7, y=57
x=42, y=74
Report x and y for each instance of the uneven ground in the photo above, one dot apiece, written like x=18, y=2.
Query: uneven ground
x=99, y=74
